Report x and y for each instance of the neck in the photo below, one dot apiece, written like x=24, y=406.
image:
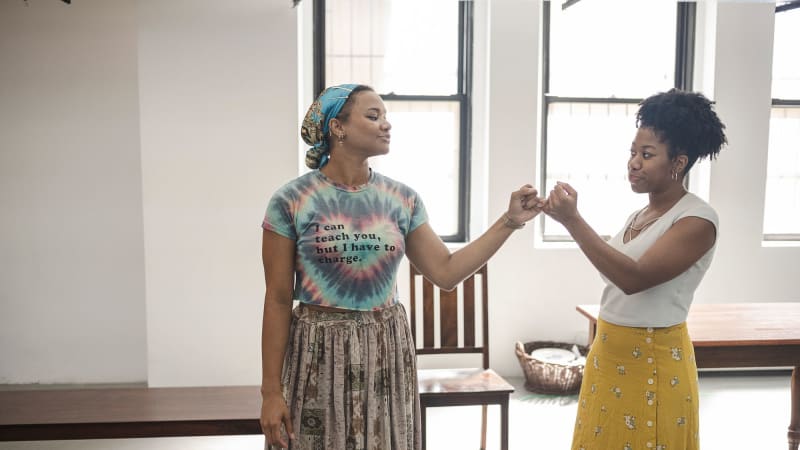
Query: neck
x=662, y=201
x=346, y=171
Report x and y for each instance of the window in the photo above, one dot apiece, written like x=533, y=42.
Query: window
x=600, y=60
x=417, y=55
x=782, y=201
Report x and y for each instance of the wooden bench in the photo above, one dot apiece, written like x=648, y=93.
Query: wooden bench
x=742, y=335
x=103, y=413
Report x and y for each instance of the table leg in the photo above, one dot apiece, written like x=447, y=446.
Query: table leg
x=794, y=425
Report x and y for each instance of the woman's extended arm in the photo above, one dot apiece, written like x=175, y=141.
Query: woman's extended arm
x=673, y=253
x=433, y=259
x=277, y=254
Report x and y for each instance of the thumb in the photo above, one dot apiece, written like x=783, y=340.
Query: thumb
x=569, y=189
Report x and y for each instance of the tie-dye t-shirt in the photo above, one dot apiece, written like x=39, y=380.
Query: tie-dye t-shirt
x=349, y=240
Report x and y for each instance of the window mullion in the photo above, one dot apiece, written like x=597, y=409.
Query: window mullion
x=319, y=47
x=684, y=45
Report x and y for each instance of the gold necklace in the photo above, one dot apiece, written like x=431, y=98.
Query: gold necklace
x=641, y=227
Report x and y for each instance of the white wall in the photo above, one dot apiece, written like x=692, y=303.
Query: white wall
x=744, y=269
x=71, y=253
x=140, y=141
x=218, y=90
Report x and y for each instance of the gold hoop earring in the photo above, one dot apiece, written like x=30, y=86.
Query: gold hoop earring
x=341, y=138
x=675, y=175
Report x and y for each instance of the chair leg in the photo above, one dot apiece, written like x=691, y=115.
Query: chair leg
x=504, y=425
x=483, y=427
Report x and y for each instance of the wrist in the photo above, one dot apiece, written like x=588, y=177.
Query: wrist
x=271, y=390
x=510, y=223
x=571, y=221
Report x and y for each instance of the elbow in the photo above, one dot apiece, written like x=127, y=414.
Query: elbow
x=444, y=283
x=635, y=280
x=630, y=290
x=632, y=287
x=447, y=287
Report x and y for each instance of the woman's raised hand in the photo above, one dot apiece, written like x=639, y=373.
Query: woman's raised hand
x=562, y=203
x=524, y=204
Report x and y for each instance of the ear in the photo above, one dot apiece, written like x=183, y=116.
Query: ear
x=680, y=163
x=335, y=127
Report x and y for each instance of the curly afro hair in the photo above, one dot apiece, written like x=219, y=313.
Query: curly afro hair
x=686, y=122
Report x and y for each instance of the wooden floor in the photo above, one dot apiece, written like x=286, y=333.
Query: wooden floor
x=754, y=404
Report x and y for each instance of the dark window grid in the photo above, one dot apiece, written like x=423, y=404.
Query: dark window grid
x=684, y=71
x=465, y=30
x=787, y=6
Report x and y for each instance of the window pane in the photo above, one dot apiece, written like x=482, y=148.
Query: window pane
x=786, y=56
x=782, y=196
x=399, y=46
x=424, y=155
x=623, y=49
x=782, y=203
x=588, y=145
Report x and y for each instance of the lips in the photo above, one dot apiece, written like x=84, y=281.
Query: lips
x=633, y=178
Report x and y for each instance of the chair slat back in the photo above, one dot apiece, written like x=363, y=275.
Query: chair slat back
x=448, y=318
x=448, y=312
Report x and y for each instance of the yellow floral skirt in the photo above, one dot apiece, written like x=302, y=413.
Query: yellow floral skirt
x=639, y=391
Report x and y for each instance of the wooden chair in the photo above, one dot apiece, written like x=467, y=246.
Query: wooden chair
x=457, y=387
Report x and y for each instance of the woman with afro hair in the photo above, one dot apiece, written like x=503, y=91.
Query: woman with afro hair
x=639, y=389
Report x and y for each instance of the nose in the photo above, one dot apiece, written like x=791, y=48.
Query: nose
x=634, y=162
x=386, y=125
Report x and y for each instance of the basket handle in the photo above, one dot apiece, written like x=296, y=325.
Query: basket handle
x=520, y=349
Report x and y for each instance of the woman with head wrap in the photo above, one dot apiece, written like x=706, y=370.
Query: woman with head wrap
x=639, y=390
x=339, y=369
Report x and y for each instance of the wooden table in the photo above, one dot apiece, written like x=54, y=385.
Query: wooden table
x=742, y=335
x=104, y=413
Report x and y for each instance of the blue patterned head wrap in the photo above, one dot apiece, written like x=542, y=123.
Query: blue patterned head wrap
x=315, y=125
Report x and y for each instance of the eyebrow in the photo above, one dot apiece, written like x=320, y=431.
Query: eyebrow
x=633, y=145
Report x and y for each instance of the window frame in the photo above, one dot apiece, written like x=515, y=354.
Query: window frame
x=463, y=97
x=684, y=74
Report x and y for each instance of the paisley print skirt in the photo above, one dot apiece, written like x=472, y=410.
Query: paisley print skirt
x=350, y=380
x=639, y=391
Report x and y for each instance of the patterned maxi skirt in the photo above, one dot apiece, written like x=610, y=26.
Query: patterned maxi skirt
x=350, y=380
x=639, y=391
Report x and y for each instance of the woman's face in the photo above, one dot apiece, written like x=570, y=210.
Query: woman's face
x=367, y=130
x=649, y=167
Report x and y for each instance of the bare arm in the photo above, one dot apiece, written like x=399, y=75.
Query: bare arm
x=277, y=254
x=693, y=236
x=433, y=259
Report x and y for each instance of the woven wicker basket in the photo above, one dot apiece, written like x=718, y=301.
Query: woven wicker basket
x=549, y=378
